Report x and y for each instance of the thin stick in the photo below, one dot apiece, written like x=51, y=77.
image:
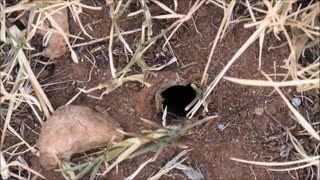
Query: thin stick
x=225, y=19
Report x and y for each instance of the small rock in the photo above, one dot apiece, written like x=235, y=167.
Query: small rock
x=296, y=102
x=221, y=127
x=56, y=46
x=243, y=114
x=131, y=110
x=259, y=111
x=75, y=129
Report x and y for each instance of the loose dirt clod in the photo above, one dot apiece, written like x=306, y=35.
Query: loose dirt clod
x=57, y=46
x=75, y=129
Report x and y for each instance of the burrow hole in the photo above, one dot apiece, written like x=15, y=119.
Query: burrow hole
x=176, y=98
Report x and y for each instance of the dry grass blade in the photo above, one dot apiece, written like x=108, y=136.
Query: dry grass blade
x=104, y=38
x=218, y=3
x=76, y=11
x=12, y=96
x=3, y=36
x=115, y=13
x=168, y=16
x=30, y=148
x=17, y=163
x=224, y=23
x=163, y=6
x=16, y=35
x=250, y=11
x=300, y=150
x=299, y=118
x=158, y=68
x=135, y=143
x=316, y=158
x=170, y=165
x=147, y=21
x=307, y=160
x=5, y=174
x=251, y=82
x=175, y=5
x=112, y=68
x=187, y=17
x=261, y=40
x=133, y=175
x=298, y=167
x=115, y=83
x=17, y=97
x=64, y=35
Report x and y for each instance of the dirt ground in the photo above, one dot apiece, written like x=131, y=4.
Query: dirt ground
x=247, y=135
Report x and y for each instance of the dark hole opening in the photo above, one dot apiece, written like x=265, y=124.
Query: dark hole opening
x=176, y=98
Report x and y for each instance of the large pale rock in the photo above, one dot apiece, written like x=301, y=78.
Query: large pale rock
x=75, y=129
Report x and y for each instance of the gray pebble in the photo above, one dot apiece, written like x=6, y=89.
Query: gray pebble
x=296, y=102
x=259, y=111
x=220, y=126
